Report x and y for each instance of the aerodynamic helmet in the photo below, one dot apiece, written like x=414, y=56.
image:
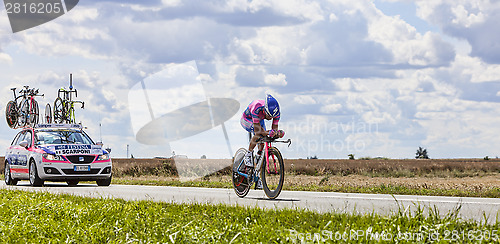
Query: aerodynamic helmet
x=272, y=107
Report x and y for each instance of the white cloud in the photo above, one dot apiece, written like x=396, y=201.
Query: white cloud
x=5, y=58
x=465, y=18
x=304, y=99
x=328, y=63
x=477, y=69
x=470, y=20
x=330, y=108
x=275, y=79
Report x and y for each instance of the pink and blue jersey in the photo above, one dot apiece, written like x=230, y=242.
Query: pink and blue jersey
x=255, y=114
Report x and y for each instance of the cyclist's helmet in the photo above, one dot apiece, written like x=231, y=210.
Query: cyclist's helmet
x=272, y=107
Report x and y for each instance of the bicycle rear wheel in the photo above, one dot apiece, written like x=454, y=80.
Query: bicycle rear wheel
x=273, y=173
x=241, y=184
x=48, y=114
x=11, y=114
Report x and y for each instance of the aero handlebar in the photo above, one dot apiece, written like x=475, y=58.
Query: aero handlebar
x=269, y=139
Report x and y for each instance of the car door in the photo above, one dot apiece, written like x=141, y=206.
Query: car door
x=25, y=153
x=15, y=160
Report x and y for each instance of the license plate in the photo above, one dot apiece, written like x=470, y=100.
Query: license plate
x=82, y=168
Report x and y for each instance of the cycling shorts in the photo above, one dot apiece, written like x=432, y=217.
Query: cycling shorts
x=248, y=125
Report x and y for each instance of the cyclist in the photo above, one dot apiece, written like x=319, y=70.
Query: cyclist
x=252, y=121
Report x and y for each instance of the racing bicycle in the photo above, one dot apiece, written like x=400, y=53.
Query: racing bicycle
x=64, y=105
x=269, y=166
x=26, y=111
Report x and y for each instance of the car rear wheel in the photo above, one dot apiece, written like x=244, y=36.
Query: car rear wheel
x=8, y=177
x=72, y=182
x=34, y=179
x=104, y=182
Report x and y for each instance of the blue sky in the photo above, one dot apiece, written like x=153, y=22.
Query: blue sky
x=372, y=78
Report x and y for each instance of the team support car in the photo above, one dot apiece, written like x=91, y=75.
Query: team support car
x=56, y=152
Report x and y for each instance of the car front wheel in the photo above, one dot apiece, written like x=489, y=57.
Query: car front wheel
x=34, y=179
x=105, y=182
x=8, y=177
x=72, y=182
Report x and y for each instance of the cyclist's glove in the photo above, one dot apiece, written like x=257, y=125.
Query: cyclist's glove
x=281, y=133
x=276, y=133
x=273, y=133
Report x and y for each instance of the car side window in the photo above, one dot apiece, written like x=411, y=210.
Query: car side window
x=20, y=138
x=28, y=138
x=14, y=142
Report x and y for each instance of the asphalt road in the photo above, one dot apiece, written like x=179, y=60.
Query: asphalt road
x=470, y=208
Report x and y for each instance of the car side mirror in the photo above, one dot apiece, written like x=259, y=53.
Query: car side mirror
x=99, y=143
x=23, y=143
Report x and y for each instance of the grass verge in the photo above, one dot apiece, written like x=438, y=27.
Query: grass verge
x=348, y=186
x=27, y=217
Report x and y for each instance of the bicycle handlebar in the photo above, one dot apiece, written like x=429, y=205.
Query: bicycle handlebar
x=83, y=103
x=269, y=139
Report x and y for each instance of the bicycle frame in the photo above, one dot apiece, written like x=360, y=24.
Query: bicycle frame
x=267, y=145
x=68, y=105
x=24, y=96
x=18, y=112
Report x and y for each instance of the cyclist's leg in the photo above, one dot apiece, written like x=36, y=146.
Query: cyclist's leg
x=263, y=125
x=248, y=126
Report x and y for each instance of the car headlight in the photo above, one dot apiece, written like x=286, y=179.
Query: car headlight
x=103, y=157
x=53, y=157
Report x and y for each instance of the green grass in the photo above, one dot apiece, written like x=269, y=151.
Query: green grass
x=196, y=183
x=402, y=190
x=27, y=217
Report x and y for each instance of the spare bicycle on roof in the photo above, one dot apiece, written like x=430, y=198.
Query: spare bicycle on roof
x=23, y=110
x=64, y=106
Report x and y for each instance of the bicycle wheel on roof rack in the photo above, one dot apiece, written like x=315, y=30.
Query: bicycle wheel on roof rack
x=34, y=113
x=11, y=114
x=59, y=114
x=48, y=114
x=24, y=114
x=241, y=184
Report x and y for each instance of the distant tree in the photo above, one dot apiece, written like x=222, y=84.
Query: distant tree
x=203, y=156
x=422, y=153
x=351, y=156
x=313, y=157
x=486, y=158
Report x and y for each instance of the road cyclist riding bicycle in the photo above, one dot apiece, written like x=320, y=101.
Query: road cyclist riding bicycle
x=267, y=169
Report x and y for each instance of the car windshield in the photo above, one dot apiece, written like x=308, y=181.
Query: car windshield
x=62, y=137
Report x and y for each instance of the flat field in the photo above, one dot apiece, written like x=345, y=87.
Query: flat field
x=450, y=177
x=446, y=177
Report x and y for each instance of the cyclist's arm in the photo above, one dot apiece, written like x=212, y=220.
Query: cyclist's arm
x=275, y=127
x=275, y=123
x=259, y=130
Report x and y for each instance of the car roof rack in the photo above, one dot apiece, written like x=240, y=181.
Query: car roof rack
x=59, y=126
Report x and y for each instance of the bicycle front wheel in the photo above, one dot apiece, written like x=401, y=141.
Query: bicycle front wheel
x=241, y=184
x=273, y=173
x=11, y=114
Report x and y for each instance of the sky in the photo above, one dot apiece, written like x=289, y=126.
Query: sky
x=369, y=78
